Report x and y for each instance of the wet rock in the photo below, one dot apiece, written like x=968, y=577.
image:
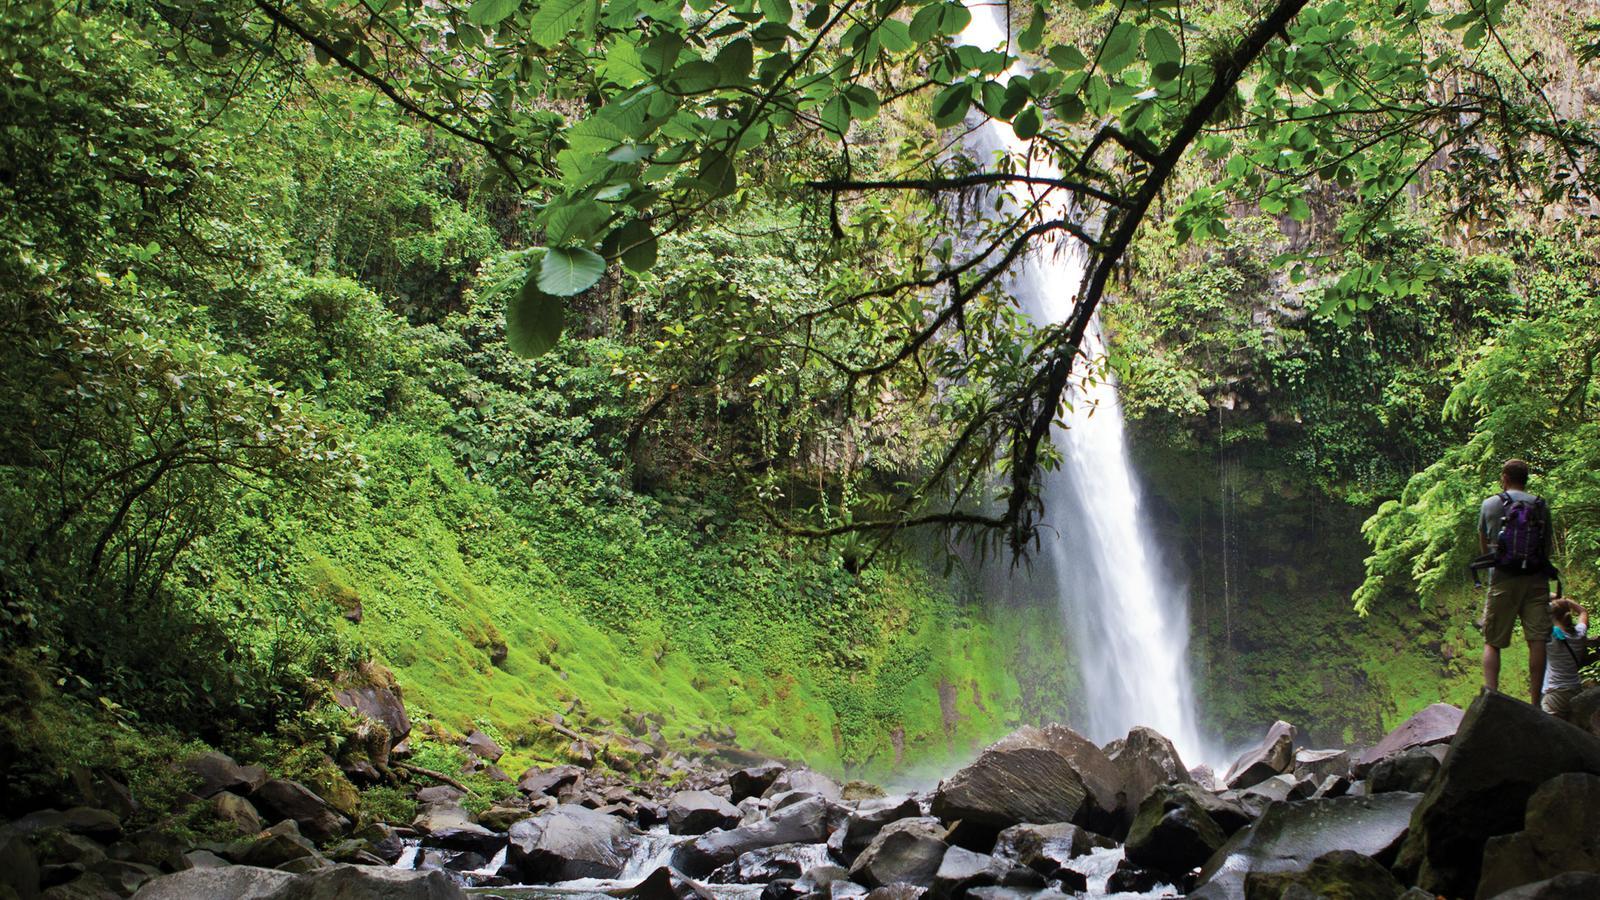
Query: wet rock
x=907, y=851
x=1145, y=759
x=571, y=842
x=899, y=891
x=1133, y=879
x=664, y=884
x=272, y=848
x=1034, y=775
x=236, y=813
x=1290, y=836
x=1569, y=886
x=280, y=798
x=444, y=823
x=697, y=812
x=753, y=781
x=217, y=772
x=19, y=865
x=804, y=781
x=820, y=878
x=1435, y=724
x=1332, y=786
x=501, y=818
x=1342, y=874
x=1562, y=834
x=382, y=841
x=550, y=782
x=1276, y=789
x=1273, y=756
x=766, y=864
x=1047, y=848
x=1318, y=765
x=1411, y=771
x=483, y=747
x=1172, y=832
x=1503, y=751
x=962, y=870
x=334, y=883
x=805, y=822
x=864, y=823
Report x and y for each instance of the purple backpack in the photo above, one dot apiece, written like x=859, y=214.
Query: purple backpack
x=1520, y=545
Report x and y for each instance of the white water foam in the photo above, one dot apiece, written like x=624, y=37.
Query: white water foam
x=1126, y=616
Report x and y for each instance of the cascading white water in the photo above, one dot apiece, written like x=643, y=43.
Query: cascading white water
x=1127, y=617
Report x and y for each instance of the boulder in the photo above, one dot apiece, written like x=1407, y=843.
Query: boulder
x=1562, y=887
x=551, y=782
x=1273, y=756
x=1503, y=751
x=1289, y=837
x=866, y=820
x=483, y=747
x=1276, y=789
x=443, y=822
x=768, y=864
x=664, y=884
x=571, y=842
x=332, y=883
x=19, y=865
x=1047, y=848
x=1172, y=832
x=754, y=781
x=1434, y=724
x=820, y=878
x=280, y=798
x=908, y=851
x=1342, y=874
x=961, y=870
x=1319, y=765
x=272, y=848
x=1034, y=775
x=230, y=882
x=1144, y=760
x=804, y=781
x=697, y=812
x=1332, y=786
x=1129, y=878
x=1562, y=835
x=501, y=818
x=1411, y=771
x=236, y=813
x=1586, y=710
x=804, y=822
x=373, y=693
x=217, y=772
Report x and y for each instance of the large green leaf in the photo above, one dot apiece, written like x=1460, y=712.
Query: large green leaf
x=533, y=320
x=570, y=270
x=557, y=17
x=489, y=12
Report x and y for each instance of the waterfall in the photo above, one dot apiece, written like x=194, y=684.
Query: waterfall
x=1126, y=616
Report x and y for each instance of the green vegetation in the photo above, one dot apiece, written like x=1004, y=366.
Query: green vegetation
x=590, y=360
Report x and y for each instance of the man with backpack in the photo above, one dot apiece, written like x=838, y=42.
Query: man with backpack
x=1514, y=536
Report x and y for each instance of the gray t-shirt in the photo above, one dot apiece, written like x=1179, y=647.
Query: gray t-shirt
x=1493, y=514
x=1561, y=662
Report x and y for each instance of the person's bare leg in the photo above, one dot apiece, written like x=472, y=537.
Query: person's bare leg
x=1491, y=667
x=1535, y=669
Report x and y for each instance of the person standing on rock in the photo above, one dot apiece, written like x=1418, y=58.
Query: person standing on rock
x=1514, y=538
x=1567, y=654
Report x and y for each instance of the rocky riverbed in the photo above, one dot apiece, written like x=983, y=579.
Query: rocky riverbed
x=1502, y=801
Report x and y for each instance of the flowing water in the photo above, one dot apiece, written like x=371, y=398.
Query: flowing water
x=1126, y=616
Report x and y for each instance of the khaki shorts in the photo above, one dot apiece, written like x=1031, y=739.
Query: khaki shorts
x=1511, y=597
x=1558, y=702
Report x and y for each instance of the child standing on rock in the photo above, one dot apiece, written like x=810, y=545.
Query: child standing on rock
x=1567, y=654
